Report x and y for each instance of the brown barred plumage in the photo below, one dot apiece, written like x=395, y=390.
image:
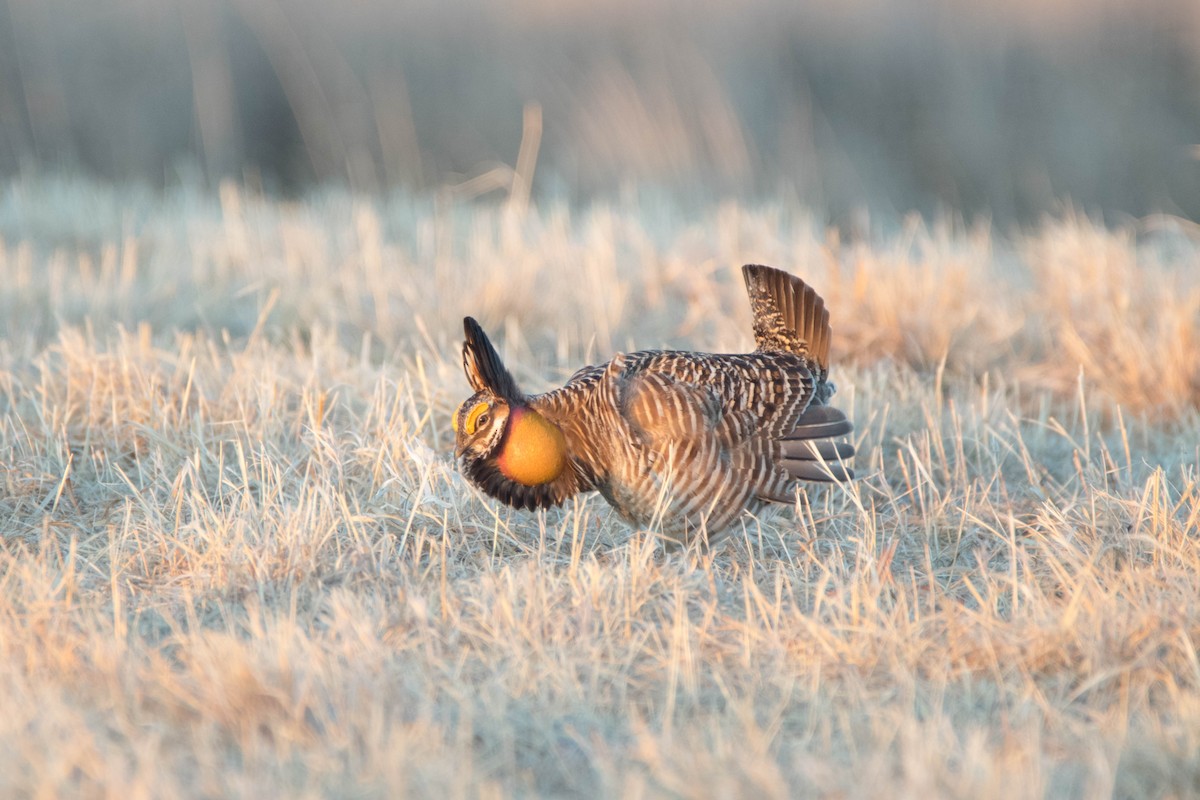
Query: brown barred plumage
x=679, y=441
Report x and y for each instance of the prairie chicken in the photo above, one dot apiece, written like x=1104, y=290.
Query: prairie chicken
x=687, y=441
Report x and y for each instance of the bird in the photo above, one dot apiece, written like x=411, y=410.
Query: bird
x=679, y=442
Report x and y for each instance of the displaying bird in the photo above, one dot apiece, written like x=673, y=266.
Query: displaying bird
x=677, y=441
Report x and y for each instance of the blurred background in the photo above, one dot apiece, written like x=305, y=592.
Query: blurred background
x=1005, y=109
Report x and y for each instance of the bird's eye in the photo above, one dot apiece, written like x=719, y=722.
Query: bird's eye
x=477, y=418
x=482, y=422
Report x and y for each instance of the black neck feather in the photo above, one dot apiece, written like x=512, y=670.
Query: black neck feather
x=484, y=473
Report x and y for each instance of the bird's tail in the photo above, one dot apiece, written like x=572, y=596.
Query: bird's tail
x=789, y=317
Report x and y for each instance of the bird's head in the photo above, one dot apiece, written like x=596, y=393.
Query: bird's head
x=520, y=443
x=479, y=425
x=508, y=449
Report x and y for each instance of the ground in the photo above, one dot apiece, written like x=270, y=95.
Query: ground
x=237, y=559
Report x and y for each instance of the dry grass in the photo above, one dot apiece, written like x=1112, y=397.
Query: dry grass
x=236, y=559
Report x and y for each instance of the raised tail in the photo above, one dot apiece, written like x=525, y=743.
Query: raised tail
x=808, y=455
x=789, y=317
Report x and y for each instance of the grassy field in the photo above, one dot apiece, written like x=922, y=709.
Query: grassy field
x=236, y=558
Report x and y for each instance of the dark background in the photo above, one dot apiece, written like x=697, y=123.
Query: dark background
x=1005, y=109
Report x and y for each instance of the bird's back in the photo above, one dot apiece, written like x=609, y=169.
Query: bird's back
x=683, y=439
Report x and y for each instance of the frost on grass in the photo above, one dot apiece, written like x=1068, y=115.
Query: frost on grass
x=237, y=560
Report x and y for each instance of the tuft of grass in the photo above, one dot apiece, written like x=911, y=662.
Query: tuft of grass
x=236, y=558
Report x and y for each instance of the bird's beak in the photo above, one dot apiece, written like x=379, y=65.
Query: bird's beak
x=459, y=449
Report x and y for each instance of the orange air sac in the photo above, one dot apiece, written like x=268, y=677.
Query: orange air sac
x=534, y=450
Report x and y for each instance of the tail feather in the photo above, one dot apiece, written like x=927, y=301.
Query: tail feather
x=789, y=316
x=817, y=451
x=808, y=455
x=483, y=366
x=820, y=422
x=827, y=472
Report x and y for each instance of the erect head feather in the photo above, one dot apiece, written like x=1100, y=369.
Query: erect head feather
x=483, y=366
